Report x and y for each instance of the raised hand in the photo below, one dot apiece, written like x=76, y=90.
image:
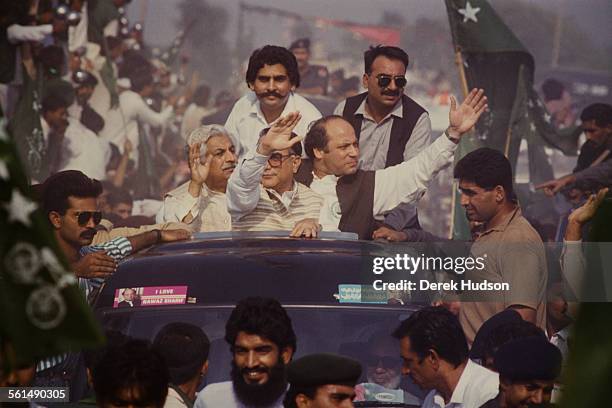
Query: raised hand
x=278, y=136
x=585, y=213
x=464, y=117
x=199, y=170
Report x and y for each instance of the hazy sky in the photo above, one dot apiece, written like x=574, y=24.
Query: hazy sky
x=594, y=17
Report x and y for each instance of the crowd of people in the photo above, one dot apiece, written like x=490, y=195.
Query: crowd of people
x=133, y=155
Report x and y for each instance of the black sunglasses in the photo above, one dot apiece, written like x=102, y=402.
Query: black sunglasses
x=387, y=361
x=83, y=217
x=385, y=80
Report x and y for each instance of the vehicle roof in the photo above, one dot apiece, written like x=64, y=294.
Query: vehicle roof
x=223, y=271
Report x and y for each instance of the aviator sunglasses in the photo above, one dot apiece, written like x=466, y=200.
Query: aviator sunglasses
x=83, y=217
x=385, y=80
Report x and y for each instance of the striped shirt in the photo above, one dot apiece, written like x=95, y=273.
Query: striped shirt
x=117, y=249
x=254, y=208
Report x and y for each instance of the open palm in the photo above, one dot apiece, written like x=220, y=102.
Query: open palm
x=464, y=117
x=278, y=136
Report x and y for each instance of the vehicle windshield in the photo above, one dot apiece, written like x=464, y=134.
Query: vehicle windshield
x=337, y=329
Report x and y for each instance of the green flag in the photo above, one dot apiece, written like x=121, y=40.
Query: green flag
x=26, y=128
x=494, y=59
x=42, y=310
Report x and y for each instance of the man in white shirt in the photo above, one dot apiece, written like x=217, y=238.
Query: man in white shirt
x=201, y=201
x=122, y=122
x=273, y=76
x=352, y=197
x=435, y=354
x=262, y=342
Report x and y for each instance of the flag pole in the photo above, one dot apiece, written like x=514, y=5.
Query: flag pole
x=464, y=89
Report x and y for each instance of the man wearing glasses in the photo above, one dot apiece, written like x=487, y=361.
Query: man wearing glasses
x=70, y=203
x=390, y=126
x=262, y=194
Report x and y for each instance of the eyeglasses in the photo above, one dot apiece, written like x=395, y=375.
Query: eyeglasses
x=83, y=217
x=276, y=159
x=385, y=80
x=385, y=361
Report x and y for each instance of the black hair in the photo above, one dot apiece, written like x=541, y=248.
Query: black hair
x=114, y=338
x=53, y=102
x=293, y=391
x=601, y=113
x=132, y=365
x=52, y=59
x=552, y=89
x=316, y=137
x=119, y=196
x=435, y=328
x=388, y=51
x=487, y=168
x=264, y=317
x=69, y=183
x=185, y=348
x=201, y=95
x=506, y=332
x=140, y=79
x=272, y=55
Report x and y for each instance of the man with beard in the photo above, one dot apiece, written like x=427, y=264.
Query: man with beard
x=512, y=250
x=69, y=201
x=527, y=369
x=273, y=76
x=435, y=355
x=201, y=201
x=262, y=341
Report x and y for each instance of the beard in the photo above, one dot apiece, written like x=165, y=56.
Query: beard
x=260, y=395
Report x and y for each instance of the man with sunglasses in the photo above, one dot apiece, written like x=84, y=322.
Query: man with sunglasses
x=391, y=127
x=70, y=202
x=262, y=194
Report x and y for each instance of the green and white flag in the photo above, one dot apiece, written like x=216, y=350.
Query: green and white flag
x=42, y=310
x=494, y=59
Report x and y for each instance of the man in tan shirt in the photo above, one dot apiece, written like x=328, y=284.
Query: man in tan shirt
x=512, y=250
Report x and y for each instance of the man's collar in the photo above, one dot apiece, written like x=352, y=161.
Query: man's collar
x=289, y=194
x=326, y=177
x=398, y=110
x=505, y=221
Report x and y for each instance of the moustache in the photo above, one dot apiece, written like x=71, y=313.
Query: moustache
x=89, y=233
x=269, y=93
x=391, y=93
x=258, y=369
